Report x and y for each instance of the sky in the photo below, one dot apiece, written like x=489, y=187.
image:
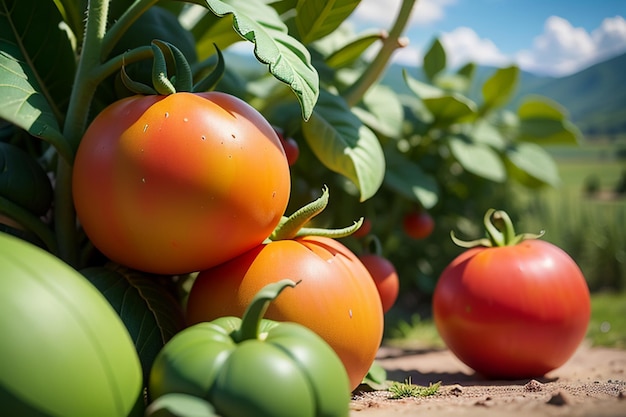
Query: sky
x=545, y=37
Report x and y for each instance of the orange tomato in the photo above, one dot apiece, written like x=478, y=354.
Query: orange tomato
x=179, y=183
x=336, y=297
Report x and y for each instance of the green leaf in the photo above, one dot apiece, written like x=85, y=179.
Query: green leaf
x=532, y=165
x=467, y=70
x=447, y=108
x=484, y=132
x=498, y=89
x=407, y=178
x=344, y=144
x=176, y=404
x=36, y=69
x=151, y=314
x=289, y=61
x=383, y=111
x=376, y=377
x=539, y=107
x=353, y=50
x=478, y=159
x=317, y=18
x=549, y=132
x=211, y=30
x=283, y=6
x=434, y=60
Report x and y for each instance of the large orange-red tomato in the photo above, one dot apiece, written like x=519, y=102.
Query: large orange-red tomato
x=179, y=183
x=513, y=311
x=336, y=297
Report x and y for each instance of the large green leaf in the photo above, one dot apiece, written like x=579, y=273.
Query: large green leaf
x=532, y=165
x=539, y=107
x=36, y=68
x=317, y=18
x=545, y=122
x=498, y=89
x=434, y=60
x=383, y=111
x=352, y=50
x=151, y=314
x=211, y=30
x=344, y=144
x=288, y=60
x=478, y=159
x=446, y=107
x=407, y=178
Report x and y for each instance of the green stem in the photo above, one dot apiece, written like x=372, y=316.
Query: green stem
x=74, y=127
x=30, y=222
x=289, y=226
x=251, y=320
x=378, y=65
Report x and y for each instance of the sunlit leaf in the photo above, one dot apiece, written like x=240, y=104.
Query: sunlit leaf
x=344, y=144
x=407, y=178
x=532, y=165
x=353, y=50
x=211, y=30
x=498, y=89
x=150, y=313
x=446, y=107
x=288, y=60
x=36, y=68
x=478, y=159
x=484, y=132
x=538, y=107
x=434, y=60
x=384, y=113
x=317, y=18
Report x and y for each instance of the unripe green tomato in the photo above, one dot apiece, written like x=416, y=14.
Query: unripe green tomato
x=63, y=350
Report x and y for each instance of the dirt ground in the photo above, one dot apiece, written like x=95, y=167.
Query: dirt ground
x=592, y=383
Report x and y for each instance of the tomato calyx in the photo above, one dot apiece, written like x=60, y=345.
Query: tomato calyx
x=499, y=230
x=251, y=319
x=171, y=73
x=293, y=226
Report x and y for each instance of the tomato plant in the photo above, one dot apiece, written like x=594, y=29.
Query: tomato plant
x=336, y=297
x=249, y=366
x=418, y=224
x=512, y=307
x=178, y=183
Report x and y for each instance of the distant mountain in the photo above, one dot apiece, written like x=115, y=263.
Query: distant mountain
x=594, y=97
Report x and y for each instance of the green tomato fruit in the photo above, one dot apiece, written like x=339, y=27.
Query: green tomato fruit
x=63, y=350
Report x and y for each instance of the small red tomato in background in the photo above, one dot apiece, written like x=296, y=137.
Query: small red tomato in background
x=290, y=146
x=385, y=277
x=418, y=224
x=512, y=308
x=364, y=230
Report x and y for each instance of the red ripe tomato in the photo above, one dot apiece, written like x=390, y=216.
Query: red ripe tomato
x=336, y=297
x=418, y=225
x=512, y=311
x=385, y=277
x=179, y=183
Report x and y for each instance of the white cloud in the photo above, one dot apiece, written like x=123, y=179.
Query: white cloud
x=563, y=49
x=383, y=12
x=463, y=45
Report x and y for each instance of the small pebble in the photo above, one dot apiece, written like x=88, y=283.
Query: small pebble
x=533, y=386
x=559, y=398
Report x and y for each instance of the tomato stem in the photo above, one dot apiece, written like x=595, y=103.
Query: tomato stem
x=251, y=320
x=500, y=232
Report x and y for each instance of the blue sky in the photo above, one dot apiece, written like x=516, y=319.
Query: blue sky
x=547, y=37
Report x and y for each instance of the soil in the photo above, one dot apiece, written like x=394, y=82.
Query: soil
x=592, y=383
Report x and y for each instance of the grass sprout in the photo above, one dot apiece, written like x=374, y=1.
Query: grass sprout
x=407, y=389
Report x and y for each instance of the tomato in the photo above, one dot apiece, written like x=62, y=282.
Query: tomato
x=514, y=311
x=364, y=230
x=385, y=277
x=179, y=183
x=292, y=150
x=64, y=350
x=336, y=296
x=418, y=225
